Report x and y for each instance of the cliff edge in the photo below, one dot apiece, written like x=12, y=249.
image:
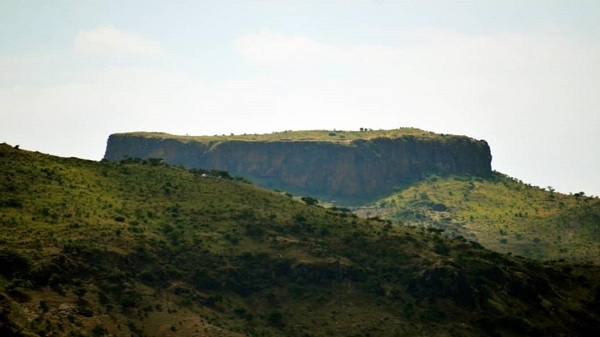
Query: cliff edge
x=332, y=165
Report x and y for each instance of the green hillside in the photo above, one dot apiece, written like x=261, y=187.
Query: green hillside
x=502, y=214
x=144, y=249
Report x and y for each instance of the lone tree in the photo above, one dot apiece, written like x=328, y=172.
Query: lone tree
x=310, y=201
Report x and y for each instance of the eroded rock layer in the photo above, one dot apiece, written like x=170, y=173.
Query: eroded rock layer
x=352, y=169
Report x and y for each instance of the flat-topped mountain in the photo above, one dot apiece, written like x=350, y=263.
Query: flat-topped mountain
x=340, y=165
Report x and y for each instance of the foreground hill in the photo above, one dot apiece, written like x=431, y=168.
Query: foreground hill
x=140, y=248
x=349, y=167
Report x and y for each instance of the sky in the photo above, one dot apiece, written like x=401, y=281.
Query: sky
x=523, y=75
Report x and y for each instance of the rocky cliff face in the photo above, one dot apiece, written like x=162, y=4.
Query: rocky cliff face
x=355, y=169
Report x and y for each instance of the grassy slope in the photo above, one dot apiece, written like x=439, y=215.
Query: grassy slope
x=124, y=249
x=339, y=136
x=502, y=214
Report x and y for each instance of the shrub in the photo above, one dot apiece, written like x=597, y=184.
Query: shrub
x=44, y=306
x=13, y=263
x=12, y=203
x=147, y=277
x=128, y=301
x=99, y=330
x=18, y=293
x=310, y=201
x=155, y=161
x=275, y=318
x=55, y=280
x=80, y=291
x=214, y=299
x=254, y=230
x=299, y=218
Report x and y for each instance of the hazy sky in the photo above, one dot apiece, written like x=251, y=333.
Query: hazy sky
x=523, y=75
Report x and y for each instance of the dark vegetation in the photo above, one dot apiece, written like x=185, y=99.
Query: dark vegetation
x=139, y=248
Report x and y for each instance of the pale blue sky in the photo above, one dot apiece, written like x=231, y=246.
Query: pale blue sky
x=523, y=75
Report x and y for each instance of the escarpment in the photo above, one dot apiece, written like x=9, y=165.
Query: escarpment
x=344, y=169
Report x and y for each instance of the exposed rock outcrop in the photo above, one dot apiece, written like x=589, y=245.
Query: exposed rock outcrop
x=350, y=170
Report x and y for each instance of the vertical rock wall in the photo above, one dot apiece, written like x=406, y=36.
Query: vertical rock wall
x=357, y=169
